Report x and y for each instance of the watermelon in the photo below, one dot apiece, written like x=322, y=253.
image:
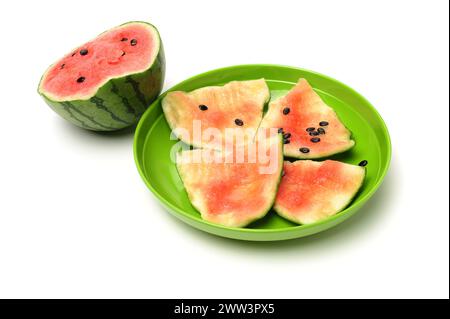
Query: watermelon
x=106, y=84
x=236, y=107
x=311, y=128
x=311, y=191
x=230, y=192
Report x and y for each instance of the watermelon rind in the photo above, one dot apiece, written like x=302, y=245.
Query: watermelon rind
x=289, y=216
x=228, y=220
x=120, y=101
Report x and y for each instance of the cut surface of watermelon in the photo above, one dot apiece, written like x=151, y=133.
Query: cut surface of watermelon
x=313, y=128
x=229, y=192
x=97, y=61
x=107, y=83
x=236, y=108
x=311, y=191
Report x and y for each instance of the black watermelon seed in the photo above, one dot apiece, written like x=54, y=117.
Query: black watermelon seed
x=286, y=110
x=280, y=130
x=363, y=163
x=320, y=130
x=84, y=52
x=287, y=135
x=313, y=133
x=310, y=129
x=238, y=122
x=304, y=150
x=63, y=65
x=81, y=79
x=286, y=141
x=315, y=139
x=323, y=123
x=123, y=53
x=202, y=107
x=133, y=42
x=73, y=54
x=124, y=39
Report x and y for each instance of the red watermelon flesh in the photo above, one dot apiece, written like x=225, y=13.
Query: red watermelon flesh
x=300, y=111
x=311, y=191
x=230, y=193
x=127, y=49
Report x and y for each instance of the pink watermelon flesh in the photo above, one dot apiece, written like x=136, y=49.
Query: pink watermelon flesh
x=238, y=105
x=230, y=193
x=300, y=109
x=127, y=49
x=311, y=191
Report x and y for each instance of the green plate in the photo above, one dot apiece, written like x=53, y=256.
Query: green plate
x=152, y=145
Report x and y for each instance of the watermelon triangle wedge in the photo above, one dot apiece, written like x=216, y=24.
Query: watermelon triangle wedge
x=202, y=117
x=230, y=192
x=312, y=129
x=311, y=191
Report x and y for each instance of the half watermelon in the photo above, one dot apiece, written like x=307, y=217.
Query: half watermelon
x=311, y=128
x=212, y=117
x=311, y=191
x=106, y=84
x=229, y=191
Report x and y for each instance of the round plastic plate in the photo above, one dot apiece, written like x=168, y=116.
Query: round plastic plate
x=152, y=146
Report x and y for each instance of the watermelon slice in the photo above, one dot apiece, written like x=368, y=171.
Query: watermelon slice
x=231, y=192
x=106, y=84
x=312, y=129
x=237, y=105
x=311, y=191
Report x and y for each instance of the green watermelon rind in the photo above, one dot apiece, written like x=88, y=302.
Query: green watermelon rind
x=282, y=213
x=118, y=103
x=274, y=195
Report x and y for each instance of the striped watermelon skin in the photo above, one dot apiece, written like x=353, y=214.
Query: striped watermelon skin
x=119, y=103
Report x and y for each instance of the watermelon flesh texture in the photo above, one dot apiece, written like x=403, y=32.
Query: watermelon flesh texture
x=107, y=83
x=237, y=102
x=302, y=109
x=230, y=193
x=311, y=191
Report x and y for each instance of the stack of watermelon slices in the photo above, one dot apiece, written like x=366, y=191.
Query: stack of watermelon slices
x=235, y=194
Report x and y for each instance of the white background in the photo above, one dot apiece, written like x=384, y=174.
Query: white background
x=77, y=221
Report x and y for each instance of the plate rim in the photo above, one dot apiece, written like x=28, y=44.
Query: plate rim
x=346, y=212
